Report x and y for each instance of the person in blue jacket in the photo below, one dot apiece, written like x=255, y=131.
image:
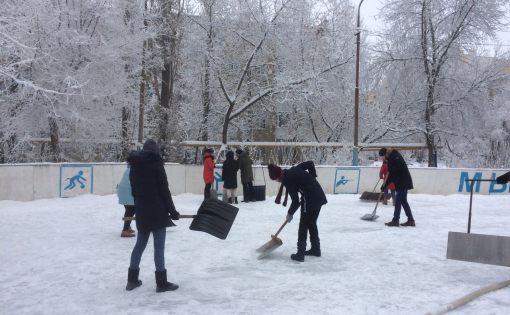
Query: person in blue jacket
x=126, y=199
x=302, y=179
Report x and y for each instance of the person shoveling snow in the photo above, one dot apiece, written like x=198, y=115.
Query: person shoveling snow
x=302, y=179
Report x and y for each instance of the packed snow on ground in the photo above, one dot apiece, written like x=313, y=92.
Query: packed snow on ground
x=65, y=256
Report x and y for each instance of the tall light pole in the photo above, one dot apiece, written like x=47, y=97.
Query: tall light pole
x=355, y=148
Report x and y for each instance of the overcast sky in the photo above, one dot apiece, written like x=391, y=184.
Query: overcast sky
x=370, y=8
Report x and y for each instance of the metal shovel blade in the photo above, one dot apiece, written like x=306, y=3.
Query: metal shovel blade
x=269, y=247
x=369, y=217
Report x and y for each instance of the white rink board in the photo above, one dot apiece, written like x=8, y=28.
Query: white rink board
x=35, y=181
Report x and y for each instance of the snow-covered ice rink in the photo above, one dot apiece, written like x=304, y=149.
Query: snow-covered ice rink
x=65, y=256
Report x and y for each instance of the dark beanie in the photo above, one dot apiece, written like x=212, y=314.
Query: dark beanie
x=275, y=171
x=382, y=152
x=209, y=150
x=151, y=145
x=239, y=151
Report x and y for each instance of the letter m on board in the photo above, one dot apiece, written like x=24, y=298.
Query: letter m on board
x=469, y=184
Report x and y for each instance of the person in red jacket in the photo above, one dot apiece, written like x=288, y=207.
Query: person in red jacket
x=383, y=174
x=208, y=172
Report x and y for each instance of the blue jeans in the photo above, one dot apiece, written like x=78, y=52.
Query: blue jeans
x=401, y=201
x=142, y=238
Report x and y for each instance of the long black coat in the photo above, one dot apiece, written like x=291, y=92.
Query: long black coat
x=245, y=164
x=229, y=172
x=399, y=173
x=297, y=179
x=149, y=186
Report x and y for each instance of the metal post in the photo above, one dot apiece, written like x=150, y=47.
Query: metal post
x=470, y=204
x=356, y=92
x=472, y=181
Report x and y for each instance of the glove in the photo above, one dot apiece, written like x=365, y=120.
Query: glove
x=289, y=217
x=503, y=179
x=174, y=215
x=169, y=223
x=383, y=187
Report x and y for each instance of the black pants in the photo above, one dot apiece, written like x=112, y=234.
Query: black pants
x=248, y=192
x=207, y=191
x=130, y=212
x=401, y=202
x=308, y=223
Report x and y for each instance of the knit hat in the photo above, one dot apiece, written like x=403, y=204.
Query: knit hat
x=275, y=171
x=239, y=151
x=382, y=152
x=209, y=150
x=151, y=145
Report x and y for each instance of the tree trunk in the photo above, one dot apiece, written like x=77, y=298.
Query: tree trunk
x=429, y=128
x=165, y=106
x=125, y=143
x=54, y=139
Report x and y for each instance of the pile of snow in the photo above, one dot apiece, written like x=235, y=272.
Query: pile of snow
x=64, y=256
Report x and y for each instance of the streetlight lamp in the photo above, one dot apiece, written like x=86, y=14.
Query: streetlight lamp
x=355, y=149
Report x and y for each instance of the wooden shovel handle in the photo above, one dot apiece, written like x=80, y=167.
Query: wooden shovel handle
x=187, y=216
x=280, y=229
x=181, y=216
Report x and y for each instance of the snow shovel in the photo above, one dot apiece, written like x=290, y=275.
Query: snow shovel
x=214, y=217
x=271, y=245
x=370, y=195
x=372, y=216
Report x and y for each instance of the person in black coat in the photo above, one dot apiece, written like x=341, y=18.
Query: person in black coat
x=229, y=175
x=297, y=179
x=153, y=204
x=400, y=176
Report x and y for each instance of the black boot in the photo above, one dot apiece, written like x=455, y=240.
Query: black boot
x=300, y=255
x=133, y=281
x=235, y=200
x=230, y=200
x=162, y=285
x=315, y=250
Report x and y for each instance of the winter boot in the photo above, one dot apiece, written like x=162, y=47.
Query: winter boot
x=130, y=230
x=126, y=234
x=235, y=200
x=392, y=223
x=385, y=200
x=230, y=200
x=133, y=281
x=409, y=223
x=315, y=250
x=162, y=285
x=300, y=255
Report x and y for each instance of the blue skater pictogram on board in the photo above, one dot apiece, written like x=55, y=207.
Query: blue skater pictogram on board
x=346, y=181
x=76, y=179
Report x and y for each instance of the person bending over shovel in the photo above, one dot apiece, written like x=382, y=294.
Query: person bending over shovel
x=297, y=179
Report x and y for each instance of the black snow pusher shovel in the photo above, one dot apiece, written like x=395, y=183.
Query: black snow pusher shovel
x=273, y=244
x=372, y=216
x=370, y=195
x=214, y=217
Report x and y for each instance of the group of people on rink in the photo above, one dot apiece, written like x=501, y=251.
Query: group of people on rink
x=144, y=191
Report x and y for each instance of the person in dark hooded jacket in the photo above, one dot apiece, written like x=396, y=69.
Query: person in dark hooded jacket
x=245, y=165
x=153, y=204
x=302, y=179
x=229, y=175
x=400, y=176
